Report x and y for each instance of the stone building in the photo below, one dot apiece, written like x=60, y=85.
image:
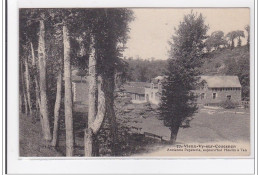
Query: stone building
x=213, y=90
x=216, y=89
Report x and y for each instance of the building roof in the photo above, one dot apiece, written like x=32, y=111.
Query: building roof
x=158, y=79
x=136, y=87
x=221, y=81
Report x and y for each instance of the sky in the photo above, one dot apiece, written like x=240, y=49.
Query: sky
x=153, y=27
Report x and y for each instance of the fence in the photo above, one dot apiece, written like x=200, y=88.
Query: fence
x=147, y=134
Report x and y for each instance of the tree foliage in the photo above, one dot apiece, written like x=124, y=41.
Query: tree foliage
x=109, y=28
x=215, y=41
x=178, y=100
x=143, y=70
x=247, y=28
x=240, y=33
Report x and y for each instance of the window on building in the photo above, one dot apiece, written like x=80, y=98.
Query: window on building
x=202, y=96
x=214, y=95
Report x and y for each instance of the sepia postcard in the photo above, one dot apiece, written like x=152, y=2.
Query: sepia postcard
x=134, y=82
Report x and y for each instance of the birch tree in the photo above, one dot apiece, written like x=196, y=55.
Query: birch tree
x=25, y=104
x=42, y=73
x=27, y=82
x=35, y=73
x=68, y=93
x=95, y=118
x=110, y=28
x=56, y=110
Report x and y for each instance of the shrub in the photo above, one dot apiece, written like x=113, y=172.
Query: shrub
x=228, y=104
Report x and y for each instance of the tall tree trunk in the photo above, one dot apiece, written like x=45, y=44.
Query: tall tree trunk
x=42, y=72
x=91, y=99
x=23, y=90
x=38, y=103
x=110, y=112
x=95, y=118
x=56, y=111
x=92, y=85
x=68, y=94
x=174, y=132
x=37, y=97
x=239, y=42
x=232, y=44
x=27, y=82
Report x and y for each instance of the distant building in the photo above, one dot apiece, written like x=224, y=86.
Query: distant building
x=136, y=90
x=79, y=89
x=154, y=91
x=213, y=90
x=216, y=89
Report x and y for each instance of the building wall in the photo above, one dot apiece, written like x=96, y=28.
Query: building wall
x=80, y=92
x=151, y=95
x=137, y=98
x=221, y=94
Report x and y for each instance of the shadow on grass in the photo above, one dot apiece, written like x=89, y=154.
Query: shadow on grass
x=129, y=143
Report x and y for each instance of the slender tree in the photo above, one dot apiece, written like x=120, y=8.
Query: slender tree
x=27, y=82
x=42, y=72
x=68, y=93
x=231, y=36
x=95, y=118
x=110, y=44
x=178, y=101
x=240, y=33
x=25, y=104
x=35, y=73
x=247, y=28
x=56, y=110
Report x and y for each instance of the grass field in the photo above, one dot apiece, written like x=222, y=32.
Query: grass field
x=217, y=125
x=208, y=126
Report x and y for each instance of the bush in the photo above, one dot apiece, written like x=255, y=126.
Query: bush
x=228, y=104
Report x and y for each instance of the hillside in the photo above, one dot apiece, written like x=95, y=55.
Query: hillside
x=218, y=62
x=223, y=61
x=230, y=62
